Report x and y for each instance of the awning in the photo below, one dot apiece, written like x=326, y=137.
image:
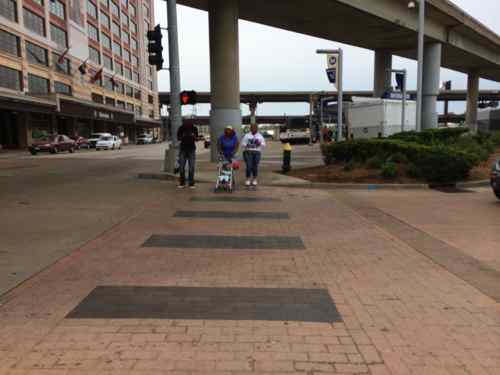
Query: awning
x=24, y=103
x=85, y=109
x=147, y=122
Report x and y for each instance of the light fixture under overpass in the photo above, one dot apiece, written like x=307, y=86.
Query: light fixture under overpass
x=421, y=32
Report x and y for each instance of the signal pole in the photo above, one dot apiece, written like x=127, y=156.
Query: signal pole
x=175, y=113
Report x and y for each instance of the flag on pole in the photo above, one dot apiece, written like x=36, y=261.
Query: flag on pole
x=97, y=76
x=60, y=60
x=83, y=68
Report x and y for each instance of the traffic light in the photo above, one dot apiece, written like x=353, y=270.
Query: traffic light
x=188, y=97
x=447, y=85
x=155, y=48
x=400, y=81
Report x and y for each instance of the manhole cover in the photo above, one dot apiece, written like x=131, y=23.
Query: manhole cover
x=139, y=302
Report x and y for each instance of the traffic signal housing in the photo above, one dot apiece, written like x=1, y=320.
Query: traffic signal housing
x=155, y=48
x=188, y=97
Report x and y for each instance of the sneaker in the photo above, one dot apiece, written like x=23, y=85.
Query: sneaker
x=181, y=186
x=254, y=183
x=247, y=183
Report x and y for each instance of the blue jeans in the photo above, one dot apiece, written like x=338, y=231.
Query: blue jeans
x=252, y=160
x=187, y=157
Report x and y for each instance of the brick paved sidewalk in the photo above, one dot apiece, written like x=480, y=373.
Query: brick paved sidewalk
x=399, y=312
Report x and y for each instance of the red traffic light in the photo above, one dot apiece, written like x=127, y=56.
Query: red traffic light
x=188, y=97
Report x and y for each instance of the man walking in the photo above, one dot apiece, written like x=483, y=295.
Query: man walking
x=187, y=136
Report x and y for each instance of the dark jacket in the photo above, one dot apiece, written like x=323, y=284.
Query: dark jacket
x=187, y=135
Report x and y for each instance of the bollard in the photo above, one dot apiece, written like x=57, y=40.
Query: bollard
x=287, y=158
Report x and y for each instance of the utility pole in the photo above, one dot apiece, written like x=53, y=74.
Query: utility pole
x=175, y=114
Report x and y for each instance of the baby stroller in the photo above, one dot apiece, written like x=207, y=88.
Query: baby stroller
x=225, y=176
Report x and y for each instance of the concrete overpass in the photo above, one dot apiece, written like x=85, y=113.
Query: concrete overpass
x=453, y=39
x=249, y=97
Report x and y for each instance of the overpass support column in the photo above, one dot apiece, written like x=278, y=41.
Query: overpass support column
x=472, y=100
x=382, y=78
x=224, y=69
x=430, y=86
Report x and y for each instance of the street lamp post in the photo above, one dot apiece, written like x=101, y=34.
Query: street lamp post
x=421, y=33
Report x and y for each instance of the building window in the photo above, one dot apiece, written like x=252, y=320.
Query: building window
x=93, y=32
x=8, y=9
x=125, y=37
x=128, y=73
x=133, y=44
x=108, y=62
x=120, y=88
x=151, y=99
x=94, y=55
x=115, y=28
x=58, y=36
x=137, y=94
x=135, y=77
x=105, y=3
x=61, y=67
x=146, y=10
x=57, y=8
x=129, y=91
x=104, y=20
x=91, y=9
x=130, y=107
x=135, y=60
x=125, y=3
x=62, y=88
x=138, y=110
x=126, y=55
x=124, y=19
x=115, y=10
x=39, y=2
x=36, y=54
x=38, y=85
x=132, y=10
x=9, y=43
x=10, y=78
x=133, y=27
x=120, y=104
x=106, y=41
x=110, y=101
x=151, y=85
x=96, y=98
x=108, y=84
x=34, y=22
x=117, y=49
x=119, y=69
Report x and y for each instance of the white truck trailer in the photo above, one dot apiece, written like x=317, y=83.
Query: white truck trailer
x=374, y=117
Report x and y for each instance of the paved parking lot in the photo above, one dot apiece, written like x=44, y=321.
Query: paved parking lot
x=366, y=292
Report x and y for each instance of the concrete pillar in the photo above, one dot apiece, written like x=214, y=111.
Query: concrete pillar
x=25, y=137
x=430, y=85
x=472, y=100
x=224, y=69
x=382, y=78
x=253, y=111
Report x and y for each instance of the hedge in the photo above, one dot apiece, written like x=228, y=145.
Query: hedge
x=431, y=136
x=434, y=163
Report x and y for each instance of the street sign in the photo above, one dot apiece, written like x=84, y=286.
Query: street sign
x=332, y=75
x=332, y=61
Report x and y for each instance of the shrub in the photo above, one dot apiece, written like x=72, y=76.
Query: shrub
x=349, y=166
x=398, y=157
x=375, y=162
x=389, y=170
x=432, y=136
x=436, y=163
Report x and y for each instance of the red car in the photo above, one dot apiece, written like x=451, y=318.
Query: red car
x=81, y=142
x=53, y=144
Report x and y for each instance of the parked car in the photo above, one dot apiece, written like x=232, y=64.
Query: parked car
x=144, y=139
x=109, y=142
x=207, y=142
x=495, y=178
x=94, y=137
x=81, y=142
x=53, y=144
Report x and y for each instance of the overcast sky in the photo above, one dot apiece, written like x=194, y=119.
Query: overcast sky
x=279, y=60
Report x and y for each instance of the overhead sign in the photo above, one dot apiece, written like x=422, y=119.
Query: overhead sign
x=332, y=61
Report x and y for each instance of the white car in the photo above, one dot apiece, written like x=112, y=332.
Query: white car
x=110, y=142
x=94, y=138
x=145, y=139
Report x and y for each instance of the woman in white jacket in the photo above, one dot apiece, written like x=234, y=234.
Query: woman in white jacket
x=252, y=145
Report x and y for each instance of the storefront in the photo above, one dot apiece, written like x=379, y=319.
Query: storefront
x=84, y=117
x=22, y=117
